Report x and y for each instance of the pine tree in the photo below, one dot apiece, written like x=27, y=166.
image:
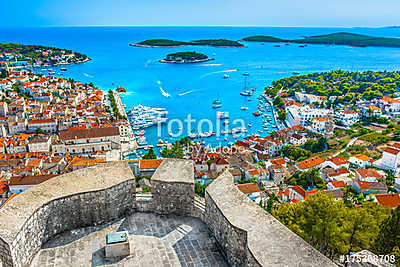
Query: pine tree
x=150, y=154
x=389, y=235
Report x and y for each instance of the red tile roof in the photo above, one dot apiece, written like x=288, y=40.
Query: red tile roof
x=149, y=163
x=388, y=200
x=309, y=163
x=248, y=188
x=365, y=173
x=338, y=183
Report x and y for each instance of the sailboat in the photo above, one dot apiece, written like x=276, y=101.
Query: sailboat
x=246, y=92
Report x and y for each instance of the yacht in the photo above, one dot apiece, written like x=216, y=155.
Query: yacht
x=246, y=93
x=226, y=76
x=216, y=103
x=244, y=108
x=249, y=125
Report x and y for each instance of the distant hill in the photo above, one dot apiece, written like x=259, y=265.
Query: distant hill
x=340, y=38
x=172, y=43
x=262, y=38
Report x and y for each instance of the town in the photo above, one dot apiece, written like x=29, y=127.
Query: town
x=325, y=148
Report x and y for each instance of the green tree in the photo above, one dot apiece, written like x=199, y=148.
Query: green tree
x=150, y=154
x=389, y=234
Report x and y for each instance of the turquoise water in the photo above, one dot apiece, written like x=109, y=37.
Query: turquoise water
x=115, y=63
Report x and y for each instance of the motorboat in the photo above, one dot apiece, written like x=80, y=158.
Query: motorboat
x=216, y=103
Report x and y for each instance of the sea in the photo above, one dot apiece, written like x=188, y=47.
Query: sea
x=193, y=87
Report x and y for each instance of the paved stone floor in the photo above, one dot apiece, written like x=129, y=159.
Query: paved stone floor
x=156, y=241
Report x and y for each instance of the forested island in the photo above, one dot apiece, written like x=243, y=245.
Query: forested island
x=347, y=87
x=38, y=54
x=185, y=57
x=340, y=38
x=172, y=43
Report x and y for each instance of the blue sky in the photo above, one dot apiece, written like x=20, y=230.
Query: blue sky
x=201, y=12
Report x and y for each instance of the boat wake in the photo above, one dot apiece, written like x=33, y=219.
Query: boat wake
x=216, y=72
x=164, y=93
x=215, y=64
x=185, y=93
x=88, y=75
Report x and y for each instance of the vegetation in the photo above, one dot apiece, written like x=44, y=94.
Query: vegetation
x=335, y=228
x=347, y=86
x=311, y=178
x=340, y=38
x=176, y=151
x=200, y=189
x=209, y=42
x=295, y=153
x=187, y=56
x=262, y=38
x=389, y=236
x=113, y=104
x=150, y=154
x=316, y=146
x=375, y=138
x=34, y=53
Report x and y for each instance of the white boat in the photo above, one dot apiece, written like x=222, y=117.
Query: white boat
x=249, y=125
x=216, y=103
x=246, y=74
x=226, y=76
x=244, y=108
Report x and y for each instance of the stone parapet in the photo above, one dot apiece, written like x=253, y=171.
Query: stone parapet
x=248, y=235
x=86, y=197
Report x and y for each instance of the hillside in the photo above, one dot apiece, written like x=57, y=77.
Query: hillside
x=263, y=38
x=340, y=38
x=172, y=43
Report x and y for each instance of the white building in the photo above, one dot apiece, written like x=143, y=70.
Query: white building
x=40, y=143
x=360, y=160
x=304, y=115
x=47, y=125
x=347, y=117
x=391, y=157
x=81, y=141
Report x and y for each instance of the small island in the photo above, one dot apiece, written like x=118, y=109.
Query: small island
x=38, y=55
x=262, y=38
x=172, y=43
x=340, y=38
x=185, y=58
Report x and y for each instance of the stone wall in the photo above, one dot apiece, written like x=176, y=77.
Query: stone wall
x=248, y=235
x=82, y=198
x=172, y=186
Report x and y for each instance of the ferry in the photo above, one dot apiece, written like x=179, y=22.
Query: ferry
x=216, y=103
x=226, y=76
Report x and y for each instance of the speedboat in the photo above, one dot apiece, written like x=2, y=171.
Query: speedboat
x=246, y=74
x=216, y=103
x=246, y=93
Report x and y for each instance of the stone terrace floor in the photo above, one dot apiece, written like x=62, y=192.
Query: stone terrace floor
x=157, y=240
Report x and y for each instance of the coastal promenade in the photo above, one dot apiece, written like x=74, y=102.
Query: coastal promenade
x=131, y=144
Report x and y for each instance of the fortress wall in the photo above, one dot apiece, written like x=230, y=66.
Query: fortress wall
x=100, y=194
x=248, y=235
x=172, y=186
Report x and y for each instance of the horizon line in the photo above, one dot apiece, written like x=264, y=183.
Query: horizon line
x=261, y=26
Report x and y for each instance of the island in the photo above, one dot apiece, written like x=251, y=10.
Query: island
x=38, y=55
x=185, y=58
x=262, y=38
x=340, y=38
x=172, y=43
